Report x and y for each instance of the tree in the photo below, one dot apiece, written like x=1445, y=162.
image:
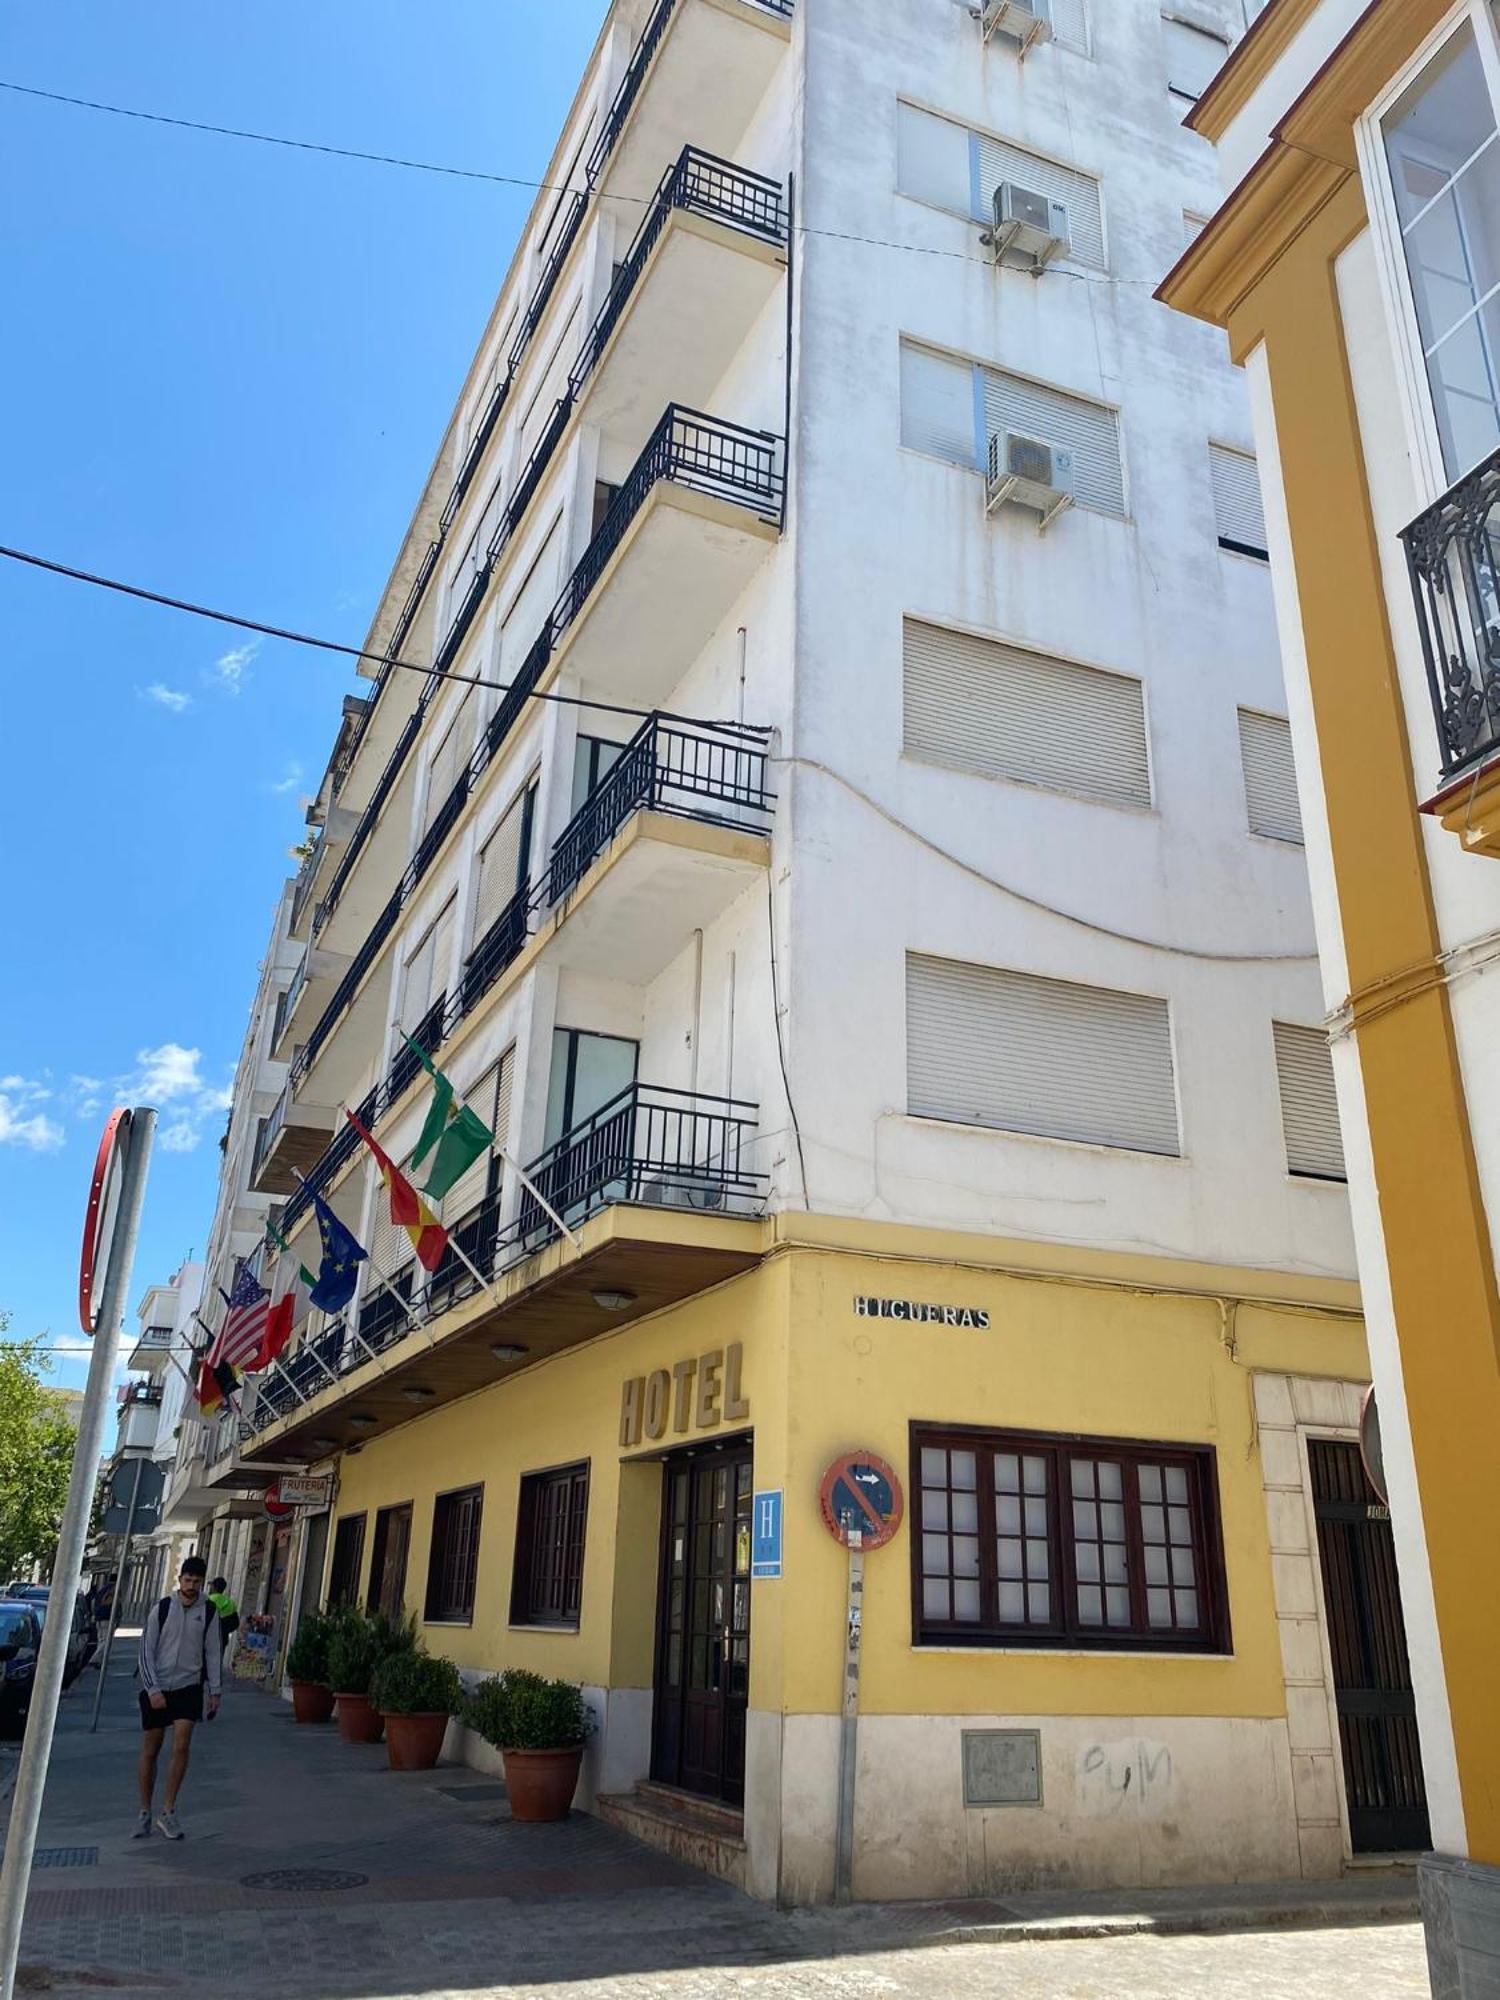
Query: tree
x=36, y=1457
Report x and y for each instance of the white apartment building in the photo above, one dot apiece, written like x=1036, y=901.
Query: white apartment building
x=153, y=1409
x=864, y=892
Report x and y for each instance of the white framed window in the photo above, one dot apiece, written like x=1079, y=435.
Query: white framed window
x=1238, y=518
x=1003, y=711
x=951, y=409
x=427, y=970
x=1309, y=1107
x=1271, y=803
x=1430, y=150
x=504, y=865
x=448, y=760
x=1021, y=1053
x=1194, y=57
x=953, y=167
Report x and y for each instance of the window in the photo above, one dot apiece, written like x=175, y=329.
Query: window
x=951, y=408
x=454, y=1563
x=426, y=979
x=528, y=609
x=588, y=1072
x=278, y=1019
x=1003, y=711
x=1194, y=58
x=946, y=164
x=489, y=1099
x=548, y=1585
x=348, y=1555
x=985, y=1046
x=1026, y=1539
x=1270, y=778
x=1440, y=144
x=505, y=860
x=448, y=761
x=1309, y=1107
x=594, y=757
x=463, y=575
x=388, y=1561
x=1237, y=511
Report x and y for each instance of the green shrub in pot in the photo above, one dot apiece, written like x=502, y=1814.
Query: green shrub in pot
x=358, y=1644
x=519, y=1710
x=307, y=1656
x=411, y=1682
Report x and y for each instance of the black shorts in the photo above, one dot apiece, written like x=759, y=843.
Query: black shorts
x=183, y=1705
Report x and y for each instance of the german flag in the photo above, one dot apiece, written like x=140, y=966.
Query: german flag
x=217, y=1381
x=408, y=1210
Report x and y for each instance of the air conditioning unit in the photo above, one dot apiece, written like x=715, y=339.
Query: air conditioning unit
x=1024, y=472
x=1029, y=226
x=1023, y=22
x=683, y=1194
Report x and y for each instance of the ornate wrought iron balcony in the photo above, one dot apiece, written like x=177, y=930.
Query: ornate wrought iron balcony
x=1453, y=554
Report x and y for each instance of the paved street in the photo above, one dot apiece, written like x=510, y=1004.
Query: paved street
x=424, y=1886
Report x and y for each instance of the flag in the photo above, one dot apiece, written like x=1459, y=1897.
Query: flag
x=459, y=1134
x=294, y=1282
x=244, y=1325
x=216, y=1382
x=342, y=1256
x=408, y=1210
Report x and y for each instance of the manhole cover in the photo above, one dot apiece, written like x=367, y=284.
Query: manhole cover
x=65, y=1857
x=303, y=1878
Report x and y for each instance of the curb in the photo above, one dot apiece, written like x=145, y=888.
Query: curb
x=1188, y=1923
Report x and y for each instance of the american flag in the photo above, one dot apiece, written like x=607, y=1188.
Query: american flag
x=244, y=1322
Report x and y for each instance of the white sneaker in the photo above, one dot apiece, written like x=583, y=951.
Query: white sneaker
x=142, y=1827
x=167, y=1821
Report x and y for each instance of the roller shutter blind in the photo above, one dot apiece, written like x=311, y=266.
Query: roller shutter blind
x=1004, y=712
x=1070, y=23
x=469, y=1190
x=1270, y=776
x=448, y=760
x=1088, y=430
x=528, y=608
x=1237, y=509
x=985, y=1046
x=1309, y=1107
x=932, y=159
x=553, y=381
x=389, y=1245
x=427, y=972
x=999, y=161
x=937, y=405
x=500, y=863
x=1194, y=57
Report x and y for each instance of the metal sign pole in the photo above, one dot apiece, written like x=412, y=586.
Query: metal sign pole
x=114, y=1602
x=36, y=1750
x=843, y=1888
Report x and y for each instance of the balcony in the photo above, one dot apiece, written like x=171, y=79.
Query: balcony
x=291, y=1145
x=1453, y=555
x=657, y=1187
x=699, y=71
x=707, y=257
x=689, y=527
x=152, y=1346
x=313, y=986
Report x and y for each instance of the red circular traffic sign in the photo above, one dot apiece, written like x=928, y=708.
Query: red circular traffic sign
x=99, y=1218
x=861, y=1493
x=1370, y=1448
x=277, y=1509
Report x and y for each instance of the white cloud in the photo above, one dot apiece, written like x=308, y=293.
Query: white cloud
x=291, y=781
x=232, y=669
x=165, y=697
x=38, y=1132
x=181, y=1136
x=167, y=1072
x=171, y=1077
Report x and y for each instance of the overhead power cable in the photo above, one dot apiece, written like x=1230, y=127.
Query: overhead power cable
x=169, y=603
x=498, y=180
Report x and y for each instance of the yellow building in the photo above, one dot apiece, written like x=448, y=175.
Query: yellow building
x=1354, y=267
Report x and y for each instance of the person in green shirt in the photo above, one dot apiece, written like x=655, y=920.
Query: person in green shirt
x=224, y=1604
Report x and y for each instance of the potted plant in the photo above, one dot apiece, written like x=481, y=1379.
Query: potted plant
x=539, y=1726
x=415, y=1694
x=307, y=1669
x=358, y=1645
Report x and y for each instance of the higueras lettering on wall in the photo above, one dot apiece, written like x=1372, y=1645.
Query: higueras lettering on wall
x=917, y=1312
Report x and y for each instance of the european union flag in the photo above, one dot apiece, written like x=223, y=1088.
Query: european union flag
x=342, y=1257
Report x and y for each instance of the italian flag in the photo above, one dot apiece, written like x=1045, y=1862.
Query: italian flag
x=294, y=1283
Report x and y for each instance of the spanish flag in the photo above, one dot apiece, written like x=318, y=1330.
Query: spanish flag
x=408, y=1210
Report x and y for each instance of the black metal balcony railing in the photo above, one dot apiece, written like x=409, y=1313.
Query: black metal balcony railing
x=692, y=770
x=1453, y=554
x=333, y=1156
x=699, y=183
x=651, y=1145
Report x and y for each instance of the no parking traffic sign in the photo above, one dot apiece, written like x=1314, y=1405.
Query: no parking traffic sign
x=860, y=1494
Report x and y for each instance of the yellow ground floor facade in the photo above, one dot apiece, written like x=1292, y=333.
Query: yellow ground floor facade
x=1155, y=1706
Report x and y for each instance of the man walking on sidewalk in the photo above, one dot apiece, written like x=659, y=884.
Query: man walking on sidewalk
x=181, y=1652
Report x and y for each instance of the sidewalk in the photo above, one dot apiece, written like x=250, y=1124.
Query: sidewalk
x=312, y=1870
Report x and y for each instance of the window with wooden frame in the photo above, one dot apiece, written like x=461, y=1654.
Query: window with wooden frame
x=547, y=1587
x=348, y=1556
x=453, y=1566
x=1026, y=1538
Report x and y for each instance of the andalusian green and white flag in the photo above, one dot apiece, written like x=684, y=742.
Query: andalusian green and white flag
x=459, y=1135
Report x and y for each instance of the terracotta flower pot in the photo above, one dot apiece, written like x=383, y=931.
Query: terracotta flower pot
x=414, y=1742
x=358, y=1721
x=541, y=1783
x=311, y=1702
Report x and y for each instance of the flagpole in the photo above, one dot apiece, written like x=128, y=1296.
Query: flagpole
x=381, y=1277
x=536, y=1194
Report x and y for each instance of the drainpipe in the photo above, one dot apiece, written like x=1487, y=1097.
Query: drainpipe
x=697, y=1008
x=739, y=708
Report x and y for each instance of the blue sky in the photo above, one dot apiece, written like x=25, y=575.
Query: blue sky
x=226, y=368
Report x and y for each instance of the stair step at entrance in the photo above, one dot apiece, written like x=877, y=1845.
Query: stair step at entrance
x=698, y=1831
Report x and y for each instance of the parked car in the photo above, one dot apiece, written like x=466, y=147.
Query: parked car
x=20, y=1636
x=38, y=1597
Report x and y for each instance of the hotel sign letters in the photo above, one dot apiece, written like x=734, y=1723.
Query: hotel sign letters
x=699, y=1393
x=915, y=1311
